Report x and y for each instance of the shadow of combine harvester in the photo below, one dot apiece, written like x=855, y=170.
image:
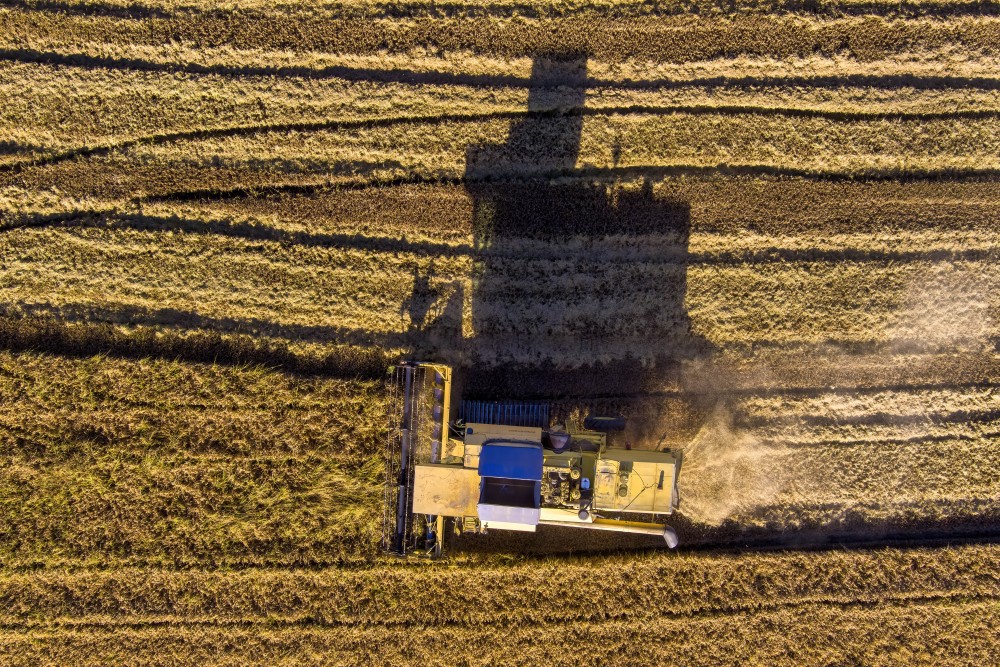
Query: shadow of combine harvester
x=578, y=281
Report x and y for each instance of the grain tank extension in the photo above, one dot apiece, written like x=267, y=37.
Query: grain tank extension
x=481, y=466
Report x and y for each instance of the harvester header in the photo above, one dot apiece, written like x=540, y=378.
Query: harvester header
x=500, y=466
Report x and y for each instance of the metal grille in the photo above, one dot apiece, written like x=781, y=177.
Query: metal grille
x=505, y=413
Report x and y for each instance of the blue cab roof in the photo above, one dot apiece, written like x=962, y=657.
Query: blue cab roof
x=511, y=461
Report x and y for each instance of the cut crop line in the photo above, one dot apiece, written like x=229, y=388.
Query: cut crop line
x=415, y=77
x=371, y=123
x=736, y=609
x=865, y=539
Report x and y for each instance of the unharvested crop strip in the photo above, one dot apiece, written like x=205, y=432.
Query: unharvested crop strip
x=85, y=340
x=247, y=345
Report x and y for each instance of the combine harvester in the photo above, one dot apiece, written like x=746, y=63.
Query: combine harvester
x=499, y=466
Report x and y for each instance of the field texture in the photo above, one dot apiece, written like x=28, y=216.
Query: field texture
x=766, y=232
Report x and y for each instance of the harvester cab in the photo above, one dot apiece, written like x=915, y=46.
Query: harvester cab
x=482, y=466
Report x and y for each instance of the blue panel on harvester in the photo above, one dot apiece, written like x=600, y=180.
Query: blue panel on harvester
x=511, y=461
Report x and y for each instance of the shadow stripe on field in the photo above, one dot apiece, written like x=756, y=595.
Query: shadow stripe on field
x=415, y=77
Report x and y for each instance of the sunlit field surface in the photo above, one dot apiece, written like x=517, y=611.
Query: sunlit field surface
x=767, y=233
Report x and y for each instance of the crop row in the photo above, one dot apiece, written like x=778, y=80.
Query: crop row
x=698, y=584
x=675, y=39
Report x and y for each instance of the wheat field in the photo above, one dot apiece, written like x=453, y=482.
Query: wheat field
x=765, y=232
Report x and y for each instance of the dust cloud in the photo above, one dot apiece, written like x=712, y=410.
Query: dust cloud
x=945, y=310
x=725, y=471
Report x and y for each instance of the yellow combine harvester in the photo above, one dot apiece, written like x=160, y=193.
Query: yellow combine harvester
x=499, y=466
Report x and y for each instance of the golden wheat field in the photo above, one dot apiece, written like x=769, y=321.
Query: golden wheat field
x=767, y=232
